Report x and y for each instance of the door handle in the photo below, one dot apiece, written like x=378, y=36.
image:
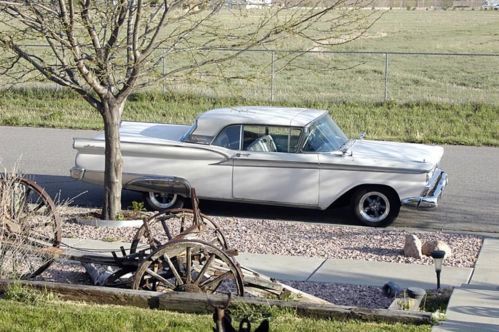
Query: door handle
x=242, y=154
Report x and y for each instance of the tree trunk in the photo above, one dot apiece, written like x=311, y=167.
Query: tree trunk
x=113, y=159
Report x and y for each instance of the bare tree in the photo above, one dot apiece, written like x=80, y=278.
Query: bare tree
x=104, y=49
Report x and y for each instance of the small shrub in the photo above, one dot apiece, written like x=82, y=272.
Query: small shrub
x=138, y=206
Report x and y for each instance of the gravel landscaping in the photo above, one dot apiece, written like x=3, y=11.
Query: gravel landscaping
x=280, y=237
x=296, y=239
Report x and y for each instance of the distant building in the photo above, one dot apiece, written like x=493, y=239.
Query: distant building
x=248, y=3
x=258, y=3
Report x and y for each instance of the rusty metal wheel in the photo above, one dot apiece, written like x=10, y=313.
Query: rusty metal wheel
x=175, y=224
x=189, y=266
x=31, y=228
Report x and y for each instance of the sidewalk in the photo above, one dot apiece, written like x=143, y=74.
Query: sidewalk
x=474, y=304
x=352, y=271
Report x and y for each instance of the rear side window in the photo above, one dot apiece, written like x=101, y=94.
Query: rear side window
x=271, y=139
x=229, y=137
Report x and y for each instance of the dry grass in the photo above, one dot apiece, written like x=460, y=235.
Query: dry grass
x=27, y=229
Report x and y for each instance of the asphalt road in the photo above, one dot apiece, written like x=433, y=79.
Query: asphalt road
x=470, y=202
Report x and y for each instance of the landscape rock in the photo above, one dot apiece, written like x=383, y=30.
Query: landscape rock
x=433, y=245
x=412, y=247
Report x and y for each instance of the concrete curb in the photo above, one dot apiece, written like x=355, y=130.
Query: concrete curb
x=110, y=223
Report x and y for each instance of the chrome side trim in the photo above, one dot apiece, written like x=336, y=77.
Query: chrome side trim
x=160, y=184
x=138, y=182
x=432, y=193
x=265, y=163
x=97, y=144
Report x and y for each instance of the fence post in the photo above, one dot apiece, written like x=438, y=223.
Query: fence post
x=272, y=75
x=57, y=86
x=386, y=77
x=163, y=73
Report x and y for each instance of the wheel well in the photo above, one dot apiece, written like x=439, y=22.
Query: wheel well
x=346, y=198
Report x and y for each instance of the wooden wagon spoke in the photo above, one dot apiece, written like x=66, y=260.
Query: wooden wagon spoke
x=188, y=265
x=208, y=284
x=204, y=269
x=197, y=266
x=173, y=269
x=160, y=278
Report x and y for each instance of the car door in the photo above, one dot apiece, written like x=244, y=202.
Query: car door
x=269, y=169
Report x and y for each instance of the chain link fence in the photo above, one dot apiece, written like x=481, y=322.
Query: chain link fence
x=326, y=76
x=319, y=76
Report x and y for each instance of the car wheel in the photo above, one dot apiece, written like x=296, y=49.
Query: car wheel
x=160, y=201
x=376, y=206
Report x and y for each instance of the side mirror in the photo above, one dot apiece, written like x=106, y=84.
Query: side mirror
x=362, y=135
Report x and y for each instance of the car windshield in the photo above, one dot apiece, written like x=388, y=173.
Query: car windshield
x=324, y=136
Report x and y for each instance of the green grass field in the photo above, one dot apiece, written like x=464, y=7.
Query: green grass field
x=25, y=309
x=432, y=99
x=327, y=77
x=64, y=316
x=468, y=124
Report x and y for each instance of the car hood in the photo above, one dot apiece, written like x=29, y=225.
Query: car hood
x=397, y=152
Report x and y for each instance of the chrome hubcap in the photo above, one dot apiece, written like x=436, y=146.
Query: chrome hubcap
x=162, y=201
x=374, y=206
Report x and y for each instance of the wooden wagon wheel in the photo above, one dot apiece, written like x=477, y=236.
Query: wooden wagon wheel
x=31, y=228
x=189, y=266
x=175, y=224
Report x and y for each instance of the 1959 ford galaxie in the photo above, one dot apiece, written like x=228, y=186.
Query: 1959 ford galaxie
x=270, y=155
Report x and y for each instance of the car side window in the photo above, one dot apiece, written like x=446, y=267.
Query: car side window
x=271, y=139
x=229, y=137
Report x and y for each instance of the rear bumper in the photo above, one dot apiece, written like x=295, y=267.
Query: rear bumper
x=432, y=193
x=77, y=173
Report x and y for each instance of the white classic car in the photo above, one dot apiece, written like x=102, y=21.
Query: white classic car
x=270, y=155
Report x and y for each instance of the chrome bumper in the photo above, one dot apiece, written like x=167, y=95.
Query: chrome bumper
x=77, y=173
x=432, y=193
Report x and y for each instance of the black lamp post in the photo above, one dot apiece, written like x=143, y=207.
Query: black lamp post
x=438, y=258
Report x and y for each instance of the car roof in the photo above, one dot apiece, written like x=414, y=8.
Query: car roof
x=211, y=122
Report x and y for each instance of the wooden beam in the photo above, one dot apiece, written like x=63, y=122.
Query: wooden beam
x=204, y=303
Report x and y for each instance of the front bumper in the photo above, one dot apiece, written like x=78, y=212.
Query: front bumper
x=431, y=194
